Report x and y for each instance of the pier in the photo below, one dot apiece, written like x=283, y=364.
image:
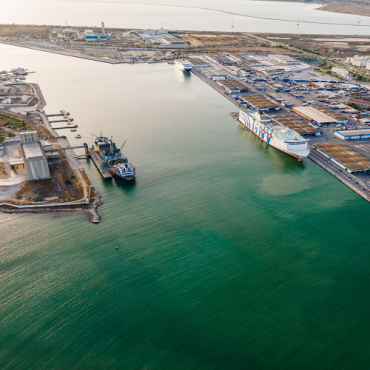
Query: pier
x=62, y=127
x=62, y=113
x=54, y=115
x=61, y=120
x=105, y=172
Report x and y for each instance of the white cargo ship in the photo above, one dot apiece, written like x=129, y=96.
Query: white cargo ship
x=183, y=65
x=279, y=137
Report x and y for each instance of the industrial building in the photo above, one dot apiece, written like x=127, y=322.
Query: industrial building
x=358, y=61
x=215, y=74
x=160, y=37
x=259, y=102
x=296, y=124
x=218, y=58
x=340, y=72
x=272, y=64
x=198, y=63
x=353, y=134
x=90, y=36
x=233, y=86
x=34, y=158
x=313, y=115
x=363, y=104
x=344, y=157
x=339, y=118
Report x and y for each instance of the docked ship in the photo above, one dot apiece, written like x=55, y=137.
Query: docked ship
x=113, y=159
x=183, y=65
x=282, y=138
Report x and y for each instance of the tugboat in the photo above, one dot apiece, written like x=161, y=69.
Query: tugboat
x=113, y=159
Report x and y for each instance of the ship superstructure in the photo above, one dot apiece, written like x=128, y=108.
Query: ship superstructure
x=183, y=64
x=279, y=137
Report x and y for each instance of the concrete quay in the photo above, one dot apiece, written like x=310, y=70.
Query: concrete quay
x=105, y=172
x=54, y=51
x=354, y=182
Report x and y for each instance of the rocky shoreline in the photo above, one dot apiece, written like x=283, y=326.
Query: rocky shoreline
x=91, y=209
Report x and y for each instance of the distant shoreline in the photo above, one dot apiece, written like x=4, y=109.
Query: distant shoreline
x=352, y=8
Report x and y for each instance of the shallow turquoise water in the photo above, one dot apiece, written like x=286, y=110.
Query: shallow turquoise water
x=231, y=255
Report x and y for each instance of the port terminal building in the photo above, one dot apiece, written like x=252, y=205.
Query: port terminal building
x=353, y=134
x=320, y=115
x=298, y=125
x=259, y=102
x=233, y=86
x=90, y=36
x=198, y=63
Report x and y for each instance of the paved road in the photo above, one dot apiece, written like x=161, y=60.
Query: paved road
x=356, y=183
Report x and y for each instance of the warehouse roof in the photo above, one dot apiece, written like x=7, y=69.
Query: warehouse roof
x=365, y=131
x=314, y=114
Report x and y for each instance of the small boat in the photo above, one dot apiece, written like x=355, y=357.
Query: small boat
x=78, y=136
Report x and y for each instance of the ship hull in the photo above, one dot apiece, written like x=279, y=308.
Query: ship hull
x=183, y=65
x=183, y=69
x=267, y=136
x=126, y=178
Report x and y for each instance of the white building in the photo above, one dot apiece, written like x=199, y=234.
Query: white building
x=34, y=158
x=27, y=136
x=340, y=72
x=71, y=30
x=358, y=61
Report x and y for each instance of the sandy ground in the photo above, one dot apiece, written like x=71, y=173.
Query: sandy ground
x=9, y=186
x=349, y=8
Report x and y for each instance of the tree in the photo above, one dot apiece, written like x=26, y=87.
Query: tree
x=11, y=134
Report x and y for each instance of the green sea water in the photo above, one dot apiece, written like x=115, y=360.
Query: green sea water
x=231, y=255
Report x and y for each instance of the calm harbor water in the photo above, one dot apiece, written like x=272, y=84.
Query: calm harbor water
x=174, y=14
x=230, y=255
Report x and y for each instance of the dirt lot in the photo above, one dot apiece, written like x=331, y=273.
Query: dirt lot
x=36, y=189
x=217, y=39
x=3, y=172
x=66, y=184
x=21, y=30
x=7, y=121
x=348, y=8
x=326, y=45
